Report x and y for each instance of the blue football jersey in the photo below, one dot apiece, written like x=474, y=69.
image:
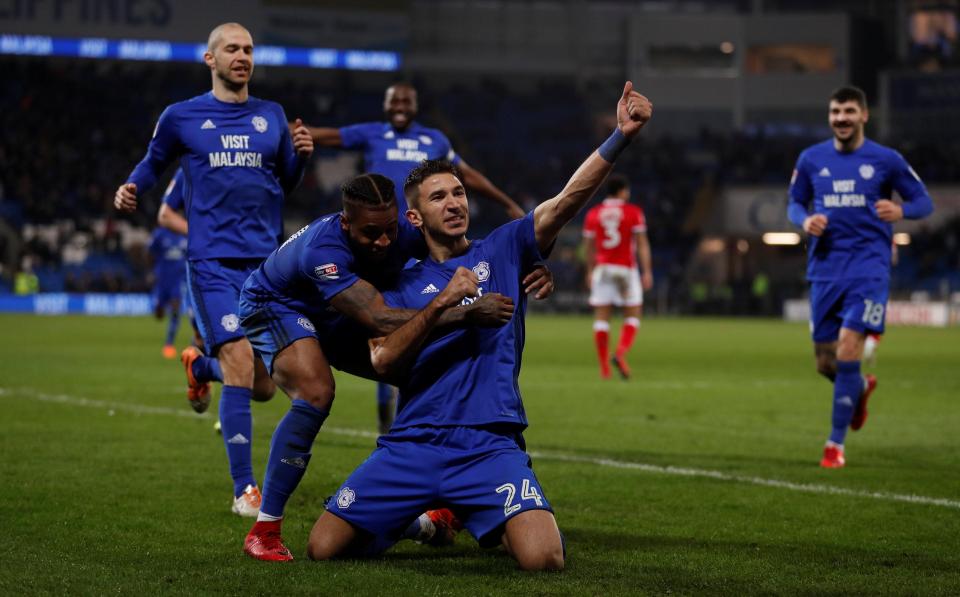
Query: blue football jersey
x=173, y=196
x=169, y=252
x=469, y=376
x=845, y=187
x=394, y=153
x=238, y=161
x=317, y=263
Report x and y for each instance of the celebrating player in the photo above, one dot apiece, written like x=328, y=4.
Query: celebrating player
x=238, y=160
x=393, y=148
x=312, y=305
x=614, y=233
x=457, y=440
x=840, y=194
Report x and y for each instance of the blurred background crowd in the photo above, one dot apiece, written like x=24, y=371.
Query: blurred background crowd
x=73, y=130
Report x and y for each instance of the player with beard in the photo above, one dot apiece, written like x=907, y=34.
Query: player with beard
x=393, y=148
x=239, y=158
x=311, y=306
x=841, y=196
x=457, y=441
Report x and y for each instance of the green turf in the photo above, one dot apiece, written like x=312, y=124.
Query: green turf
x=106, y=496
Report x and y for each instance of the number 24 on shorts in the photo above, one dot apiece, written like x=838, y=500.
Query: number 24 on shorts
x=527, y=492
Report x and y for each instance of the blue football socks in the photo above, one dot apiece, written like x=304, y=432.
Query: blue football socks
x=290, y=454
x=846, y=392
x=236, y=423
x=207, y=369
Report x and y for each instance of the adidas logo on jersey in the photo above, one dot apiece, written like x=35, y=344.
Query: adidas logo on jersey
x=208, y=124
x=238, y=439
x=825, y=171
x=430, y=289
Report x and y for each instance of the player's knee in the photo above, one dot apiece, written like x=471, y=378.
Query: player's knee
x=263, y=389
x=318, y=549
x=542, y=560
x=236, y=360
x=319, y=393
x=827, y=367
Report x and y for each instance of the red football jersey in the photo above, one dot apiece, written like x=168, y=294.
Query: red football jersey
x=612, y=225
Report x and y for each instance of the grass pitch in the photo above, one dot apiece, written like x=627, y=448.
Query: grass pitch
x=697, y=476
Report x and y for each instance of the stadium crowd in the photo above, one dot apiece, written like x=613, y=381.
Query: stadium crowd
x=61, y=160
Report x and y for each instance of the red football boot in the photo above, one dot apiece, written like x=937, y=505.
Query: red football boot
x=198, y=393
x=833, y=457
x=264, y=542
x=621, y=364
x=447, y=526
x=860, y=413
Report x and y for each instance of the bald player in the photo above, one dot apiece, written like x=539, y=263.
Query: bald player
x=239, y=159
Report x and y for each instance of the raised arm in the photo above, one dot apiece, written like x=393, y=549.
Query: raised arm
x=390, y=355
x=633, y=111
x=475, y=180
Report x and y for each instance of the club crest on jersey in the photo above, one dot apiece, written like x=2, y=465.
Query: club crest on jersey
x=346, y=497
x=259, y=123
x=306, y=324
x=866, y=171
x=426, y=140
x=482, y=270
x=230, y=322
x=327, y=271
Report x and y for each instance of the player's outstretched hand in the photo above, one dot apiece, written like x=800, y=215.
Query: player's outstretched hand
x=490, y=310
x=463, y=284
x=815, y=225
x=125, y=199
x=302, y=140
x=889, y=211
x=633, y=111
x=540, y=282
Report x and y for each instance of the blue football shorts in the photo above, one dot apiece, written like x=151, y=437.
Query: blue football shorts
x=214, y=287
x=859, y=304
x=482, y=474
x=273, y=326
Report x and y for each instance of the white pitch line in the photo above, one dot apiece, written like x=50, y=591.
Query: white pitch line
x=721, y=476
x=606, y=462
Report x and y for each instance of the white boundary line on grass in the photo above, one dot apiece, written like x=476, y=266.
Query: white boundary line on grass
x=111, y=407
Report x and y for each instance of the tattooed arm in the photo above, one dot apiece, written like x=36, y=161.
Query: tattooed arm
x=364, y=303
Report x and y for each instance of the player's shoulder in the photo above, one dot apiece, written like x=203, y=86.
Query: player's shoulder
x=201, y=101
x=258, y=103
x=408, y=281
x=635, y=211
x=818, y=150
x=883, y=152
x=419, y=129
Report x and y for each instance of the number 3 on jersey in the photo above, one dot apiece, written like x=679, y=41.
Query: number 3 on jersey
x=527, y=492
x=610, y=221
